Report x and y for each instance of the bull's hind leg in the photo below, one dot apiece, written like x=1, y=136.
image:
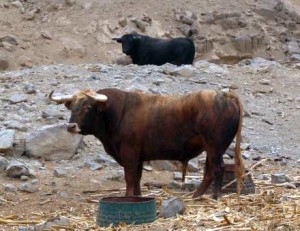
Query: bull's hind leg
x=217, y=186
x=208, y=175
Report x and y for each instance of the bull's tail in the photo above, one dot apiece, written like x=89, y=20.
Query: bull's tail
x=239, y=164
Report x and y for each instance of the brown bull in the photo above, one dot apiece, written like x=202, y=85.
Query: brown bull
x=136, y=127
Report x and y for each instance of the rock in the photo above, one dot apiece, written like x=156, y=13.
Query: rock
x=9, y=188
x=186, y=17
x=231, y=23
x=278, y=178
x=46, y=34
x=15, y=126
x=191, y=185
x=184, y=70
x=295, y=57
x=243, y=43
x=172, y=207
x=166, y=165
x=186, y=20
x=263, y=63
x=93, y=165
x=140, y=24
x=28, y=187
x=185, y=30
x=51, y=223
x=29, y=15
x=26, y=228
x=72, y=48
x=265, y=82
x=4, y=63
x=18, y=98
x=209, y=18
x=58, y=172
x=16, y=170
x=123, y=60
x=263, y=149
x=137, y=87
x=70, y=2
x=52, y=111
x=116, y=176
x=204, y=46
x=7, y=46
x=7, y=140
x=52, y=142
x=193, y=165
x=245, y=62
x=177, y=175
x=174, y=185
x=3, y=163
x=147, y=168
x=24, y=178
x=210, y=67
x=30, y=88
x=246, y=155
x=17, y=4
x=122, y=22
x=108, y=160
x=247, y=43
x=263, y=177
x=35, y=181
x=25, y=61
x=293, y=47
x=9, y=39
x=226, y=157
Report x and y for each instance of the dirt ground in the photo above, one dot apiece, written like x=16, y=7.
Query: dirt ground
x=271, y=122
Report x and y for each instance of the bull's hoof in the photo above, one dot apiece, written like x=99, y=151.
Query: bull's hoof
x=215, y=196
x=197, y=195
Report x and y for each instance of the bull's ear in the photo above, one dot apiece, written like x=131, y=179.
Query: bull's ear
x=119, y=40
x=68, y=104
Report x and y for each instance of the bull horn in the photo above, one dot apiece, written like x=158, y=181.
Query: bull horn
x=118, y=39
x=98, y=97
x=60, y=99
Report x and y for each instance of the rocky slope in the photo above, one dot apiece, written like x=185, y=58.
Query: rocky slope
x=77, y=31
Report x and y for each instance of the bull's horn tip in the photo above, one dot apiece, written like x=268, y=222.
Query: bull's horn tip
x=101, y=97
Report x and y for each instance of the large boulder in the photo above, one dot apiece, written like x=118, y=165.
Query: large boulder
x=52, y=142
x=6, y=140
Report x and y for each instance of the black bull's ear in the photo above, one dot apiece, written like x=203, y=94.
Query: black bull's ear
x=119, y=40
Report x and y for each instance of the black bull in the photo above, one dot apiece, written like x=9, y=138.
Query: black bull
x=145, y=50
x=136, y=127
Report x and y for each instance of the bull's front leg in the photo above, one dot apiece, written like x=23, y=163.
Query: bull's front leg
x=133, y=174
x=133, y=168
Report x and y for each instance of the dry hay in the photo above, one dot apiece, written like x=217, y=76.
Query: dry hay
x=273, y=207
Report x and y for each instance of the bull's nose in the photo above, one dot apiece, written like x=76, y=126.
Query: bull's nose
x=73, y=127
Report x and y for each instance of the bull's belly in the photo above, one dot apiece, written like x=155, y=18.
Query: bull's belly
x=172, y=153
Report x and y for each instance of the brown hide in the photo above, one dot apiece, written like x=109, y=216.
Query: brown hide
x=135, y=127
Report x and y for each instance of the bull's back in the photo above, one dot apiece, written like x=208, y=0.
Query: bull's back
x=182, y=127
x=158, y=51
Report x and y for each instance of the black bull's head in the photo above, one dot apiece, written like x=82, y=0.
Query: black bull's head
x=80, y=105
x=129, y=42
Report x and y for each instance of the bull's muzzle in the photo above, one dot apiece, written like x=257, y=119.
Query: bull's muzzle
x=73, y=128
